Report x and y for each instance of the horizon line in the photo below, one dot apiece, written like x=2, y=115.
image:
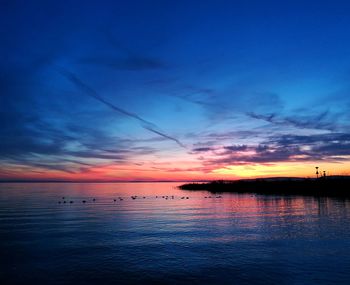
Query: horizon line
x=152, y=181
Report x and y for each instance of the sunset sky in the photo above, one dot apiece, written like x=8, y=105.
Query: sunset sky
x=173, y=90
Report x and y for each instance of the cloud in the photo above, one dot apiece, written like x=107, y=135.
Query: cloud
x=282, y=148
x=328, y=138
x=236, y=147
x=131, y=63
x=321, y=121
x=38, y=136
x=34, y=139
x=110, y=155
x=92, y=93
x=164, y=136
x=202, y=149
x=127, y=60
x=223, y=103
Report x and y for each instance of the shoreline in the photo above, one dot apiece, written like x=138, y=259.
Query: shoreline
x=332, y=186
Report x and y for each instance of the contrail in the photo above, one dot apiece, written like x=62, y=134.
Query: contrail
x=165, y=136
x=92, y=93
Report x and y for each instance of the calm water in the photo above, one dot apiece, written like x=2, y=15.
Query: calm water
x=236, y=239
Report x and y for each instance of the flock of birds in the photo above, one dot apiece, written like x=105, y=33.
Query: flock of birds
x=65, y=201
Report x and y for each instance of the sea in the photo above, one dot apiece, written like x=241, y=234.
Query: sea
x=155, y=233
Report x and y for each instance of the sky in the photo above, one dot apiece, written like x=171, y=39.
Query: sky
x=173, y=90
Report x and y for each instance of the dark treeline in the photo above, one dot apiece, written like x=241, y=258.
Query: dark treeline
x=337, y=186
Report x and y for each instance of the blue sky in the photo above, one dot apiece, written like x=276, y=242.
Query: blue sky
x=131, y=90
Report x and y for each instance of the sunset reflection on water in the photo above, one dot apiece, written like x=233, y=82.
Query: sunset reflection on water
x=232, y=237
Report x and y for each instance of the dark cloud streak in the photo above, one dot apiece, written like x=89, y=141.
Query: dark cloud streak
x=320, y=121
x=92, y=93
